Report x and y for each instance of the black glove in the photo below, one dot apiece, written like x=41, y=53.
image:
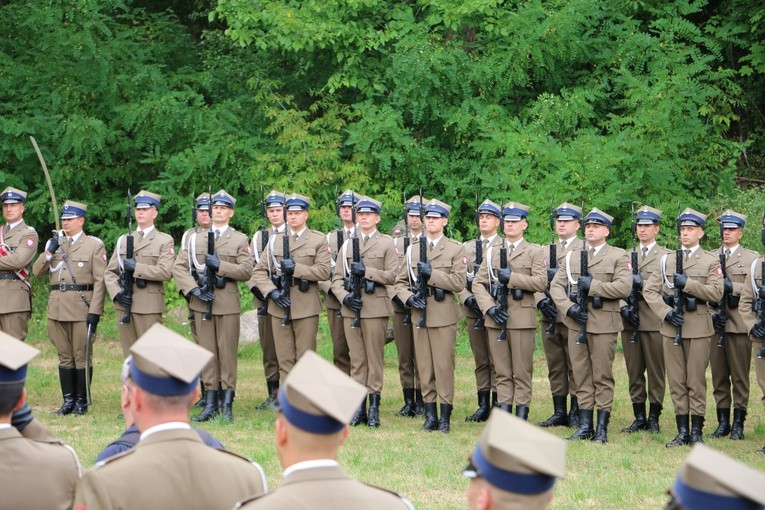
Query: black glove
x=679, y=280
x=288, y=266
x=761, y=292
x=22, y=417
x=416, y=302
x=123, y=299
x=719, y=320
x=129, y=265
x=629, y=315
x=758, y=330
x=551, y=272
x=673, y=318
x=727, y=285
x=212, y=262
x=471, y=303
x=424, y=269
x=278, y=297
x=256, y=292
x=92, y=321
x=637, y=281
x=548, y=309
x=469, y=283
x=358, y=268
x=53, y=243
x=584, y=282
x=497, y=314
x=576, y=313
x=205, y=297
x=353, y=303
x=503, y=275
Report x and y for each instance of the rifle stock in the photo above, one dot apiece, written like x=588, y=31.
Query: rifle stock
x=502, y=291
x=760, y=305
x=286, y=280
x=127, y=276
x=635, y=294
x=356, y=280
x=679, y=297
x=211, y=275
x=723, y=302
x=583, y=296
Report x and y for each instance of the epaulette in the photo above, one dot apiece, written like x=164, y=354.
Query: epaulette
x=317, y=232
x=97, y=239
x=392, y=492
x=30, y=227
x=386, y=236
x=620, y=251
x=114, y=458
x=453, y=241
x=751, y=252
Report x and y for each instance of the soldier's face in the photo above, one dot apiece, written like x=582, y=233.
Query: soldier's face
x=203, y=218
x=487, y=224
x=414, y=222
x=595, y=234
x=73, y=226
x=221, y=214
x=690, y=235
x=646, y=234
x=368, y=221
x=13, y=212
x=346, y=213
x=566, y=229
x=514, y=229
x=435, y=225
x=145, y=216
x=479, y=495
x=297, y=219
x=275, y=216
x=732, y=236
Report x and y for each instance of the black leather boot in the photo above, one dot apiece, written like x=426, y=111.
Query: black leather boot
x=227, y=409
x=409, y=407
x=601, y=431
x=81, y=392
x=737, y=428
x=374, y=410
x=419, y=405
x=211, y=407
x=522, y=412
x=640, y=422
x=66, y=377
x=723, y=423
x=270, y=402
x=482, y=413
x=508, y=408
x=573, y=413
x=201, y=402
x=585, y=430
x=683, y=437
x=697, y=425
x=431, y=416
x=654, y=411
x=559, y=416
x=360, y=416
x=494, y=399
x=444, y=424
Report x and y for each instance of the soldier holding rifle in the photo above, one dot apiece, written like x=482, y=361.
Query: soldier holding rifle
x=593, y=320
x=135, y=283
x=686, y=327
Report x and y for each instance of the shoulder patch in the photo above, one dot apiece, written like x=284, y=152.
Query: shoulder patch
x=719, y=271
x=30, y=242
x=464, y=260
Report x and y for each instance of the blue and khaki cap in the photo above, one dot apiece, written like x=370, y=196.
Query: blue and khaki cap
x=145, y=199
x=367, y=204
x=731, y=219
x=516, y=456
x=296, y=202
x=598, y=217
x=222, y=197
x=317, y=397
x=274, y=199
x=648, y=216
x=515, y=211
x=709, y=479
x=691, y=218
x=568, y=212
x=437, y=209
x=165, y=363
x=203, y=202
x=15, y=355
x=14, y=196
x=413, y=205
x=489, y=207
x=348, y=198
x=73, y=210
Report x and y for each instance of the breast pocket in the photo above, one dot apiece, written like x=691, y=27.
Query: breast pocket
x=228, y=254
x=698, y=275
x=374, y=260
x=522, y=266
x=603, y=275
x=148, y=257
x=738, y=274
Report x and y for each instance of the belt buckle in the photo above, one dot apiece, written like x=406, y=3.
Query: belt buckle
x=62, y=287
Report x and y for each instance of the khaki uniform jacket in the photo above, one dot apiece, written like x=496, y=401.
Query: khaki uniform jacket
x=611, y=281
x=21, y=241
x=233, y=250
x=560, y=256
x=648, y=320
x=170, y=470
x=257, y=248
x=749, y=295
x=704, y=282
x=85, y=264
x=379, y=257
x=326, y=488
x=527, y=273
x=398, y=246
x=312, y=260
x=330, y=299
x=36, y=475
x=154, y=256
x=737, y=266
x=449, y=272
x=470, y=254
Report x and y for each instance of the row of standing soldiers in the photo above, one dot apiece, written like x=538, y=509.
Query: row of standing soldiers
x=587, y=293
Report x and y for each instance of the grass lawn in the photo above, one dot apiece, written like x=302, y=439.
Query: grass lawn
x=630, y=471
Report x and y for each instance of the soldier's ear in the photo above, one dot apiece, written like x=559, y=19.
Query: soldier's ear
x=22, y=399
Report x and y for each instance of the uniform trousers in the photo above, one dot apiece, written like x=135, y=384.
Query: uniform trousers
x=367, y=346
x=513, y=363
x=293, y=340
x=341, y=356
x=559, y=368
x=435, y=362
x=15, y=324
x=139, y=324
x=485, y=376
x=270, y=361
x=686, y=374
x=593, y=365
x=407, y=361
x=730, y=368
x=70, y=339
x=220, y=336
x=646, y=356
x=759, y=368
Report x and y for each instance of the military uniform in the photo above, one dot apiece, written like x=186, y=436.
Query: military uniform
x=76, y=301
x=202, y=204
x=731, y=364
x=218, y=334
x=341, y=355
x=435, y=342
x=513, y=358
x=592, y=361
x=309, y=251
x=18, y=247
x=154, y=254
x=751, y=313
x=686, y=363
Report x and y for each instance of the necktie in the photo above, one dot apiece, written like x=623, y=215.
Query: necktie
x=510, y=249
x=485, y=244
x=687, y=254
x=217, y=234
x=295, y=237
x=727, y=254
x=644, y=249
x=366, y=238
x=140, y=235
x=432, y=245
x=563, y=245
x=348, y=234
x=71, y=240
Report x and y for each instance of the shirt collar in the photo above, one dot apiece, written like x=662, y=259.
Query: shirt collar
x=146, y=231
x=648, y=246
x=171, y=425
x=5, y=426
x=292, y=232
x=732, y=249
x=14, y=225
x=309, y=464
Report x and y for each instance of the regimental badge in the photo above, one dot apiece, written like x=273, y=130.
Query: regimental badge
x=172, y=250
x=544, y=262
x=30, y=242
x=629, y=265
x=398, y=253
x=249, y=250
x=104, y=256
x=719, y=271
x=464, y=260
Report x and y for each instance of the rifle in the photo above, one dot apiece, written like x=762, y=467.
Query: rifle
x=127, y=276
x=285, y=279
x=355, y=279
x=407, y=313
x=635, y=294
x=679, y=295
x=479, y=322
x=721, y=312
x=553, y=267
x=502, y=290
x=266, y=223
x=210, y=274
x=422, y=282
x=582, y=295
